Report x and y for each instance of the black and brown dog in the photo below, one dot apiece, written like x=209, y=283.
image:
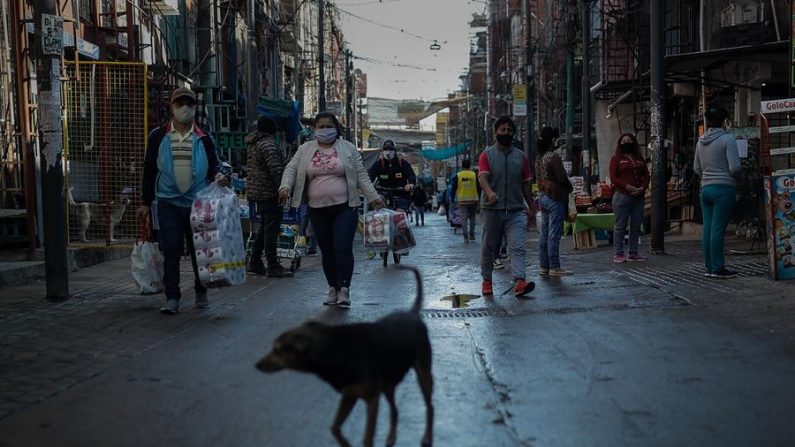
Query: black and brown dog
x=362, y=361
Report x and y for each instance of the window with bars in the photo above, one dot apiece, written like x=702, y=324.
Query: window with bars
x=87, y=10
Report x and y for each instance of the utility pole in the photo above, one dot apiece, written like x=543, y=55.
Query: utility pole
x=359, y=106
x=49, y=49
x=569, y=13
x=348, y=95
x=586, y=93
x=659, y=190
x=321, y=94
x=531, y=96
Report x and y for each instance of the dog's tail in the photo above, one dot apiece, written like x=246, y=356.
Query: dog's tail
x=69, y=196
x=417, y=306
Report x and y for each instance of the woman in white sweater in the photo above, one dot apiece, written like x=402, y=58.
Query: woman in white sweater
x=327, y=173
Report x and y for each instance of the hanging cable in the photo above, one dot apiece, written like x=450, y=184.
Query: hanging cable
x=382, y=25
x=393, y=64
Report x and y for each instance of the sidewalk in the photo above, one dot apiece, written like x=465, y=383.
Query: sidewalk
x=46, y=348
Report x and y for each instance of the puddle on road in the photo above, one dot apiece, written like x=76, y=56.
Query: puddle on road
x=457, y=301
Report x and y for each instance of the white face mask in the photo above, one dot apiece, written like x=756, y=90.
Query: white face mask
x=183, y=114
x=389, y=155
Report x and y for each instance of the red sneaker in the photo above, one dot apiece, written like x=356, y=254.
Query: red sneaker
x=522, y=287
x=487, y=288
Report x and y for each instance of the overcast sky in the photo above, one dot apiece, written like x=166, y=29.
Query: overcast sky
x=443, y=20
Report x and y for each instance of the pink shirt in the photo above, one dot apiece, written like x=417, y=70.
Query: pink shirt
x=327, y=183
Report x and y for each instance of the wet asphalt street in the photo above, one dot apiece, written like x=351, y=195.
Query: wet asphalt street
x=599, y=358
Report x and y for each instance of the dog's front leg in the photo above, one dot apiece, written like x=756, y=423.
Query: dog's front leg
x=372, y=418
x=391, y=438
x=344, y=410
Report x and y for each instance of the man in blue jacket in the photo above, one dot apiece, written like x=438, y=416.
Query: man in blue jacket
x=180, y=161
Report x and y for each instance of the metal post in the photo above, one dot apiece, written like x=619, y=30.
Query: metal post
x=348, y=94
x=659, y=191
x=26, y=137
x=361, y=124
x=321, y=94
x=530, y=123
x=586, y=93
x=48, y=73
x=253, y=67
x=569, y=82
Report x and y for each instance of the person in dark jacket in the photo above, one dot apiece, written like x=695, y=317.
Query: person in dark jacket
x=419, y=197
x=180, y=161
x=554, y=189
x=266, y=165
x=391, y=171
x=630, y=179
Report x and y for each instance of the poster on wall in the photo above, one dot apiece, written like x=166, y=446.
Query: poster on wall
x=779, y=198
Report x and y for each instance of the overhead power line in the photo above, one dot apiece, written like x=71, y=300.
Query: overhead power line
x=394, y=64
x=383, y=25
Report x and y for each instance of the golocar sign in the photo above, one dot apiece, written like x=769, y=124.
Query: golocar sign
x=778, y=105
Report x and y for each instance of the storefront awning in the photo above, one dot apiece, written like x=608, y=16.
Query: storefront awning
x=446, y=152
x=689, y=65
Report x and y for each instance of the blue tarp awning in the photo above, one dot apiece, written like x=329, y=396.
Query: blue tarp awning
x=446, y=152
x=285, y=113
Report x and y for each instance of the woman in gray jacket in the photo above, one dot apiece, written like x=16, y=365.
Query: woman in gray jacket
x=717, y=162
x=327, y=173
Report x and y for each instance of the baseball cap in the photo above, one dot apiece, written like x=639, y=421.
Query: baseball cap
x=182, y=92
x=388, y=145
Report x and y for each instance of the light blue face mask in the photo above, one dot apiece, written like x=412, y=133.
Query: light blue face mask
x=326, y=135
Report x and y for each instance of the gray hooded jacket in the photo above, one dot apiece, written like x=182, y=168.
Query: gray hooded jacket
x=717, y=161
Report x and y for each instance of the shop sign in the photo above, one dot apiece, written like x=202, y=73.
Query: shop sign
x=785, y=183
x=232, y=140
x=745, y=132
x=778, y=106
x=83, y=47
x=519, y=93
x=51, y=34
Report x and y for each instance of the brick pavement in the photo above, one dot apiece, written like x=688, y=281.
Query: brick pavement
x=49, y=347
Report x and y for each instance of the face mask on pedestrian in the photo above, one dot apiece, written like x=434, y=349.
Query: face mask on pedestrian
x=389, y=155
x=627, y=148
x=505, y=139
x=183, y=114
x=326, y=135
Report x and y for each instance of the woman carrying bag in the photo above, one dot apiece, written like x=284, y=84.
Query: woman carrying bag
x=327, y=173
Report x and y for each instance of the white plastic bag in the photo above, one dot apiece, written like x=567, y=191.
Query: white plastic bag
x=147, y=267
x=218, y=236
x=378, y=229
x=402, y=236
x=571, y=213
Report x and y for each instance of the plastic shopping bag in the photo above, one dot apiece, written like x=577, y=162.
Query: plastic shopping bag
x=146, y=263
x=403, y=237
x=218, y=236
x=571, y=214
x=378, y=229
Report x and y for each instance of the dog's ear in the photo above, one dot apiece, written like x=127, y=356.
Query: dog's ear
x=301, y=343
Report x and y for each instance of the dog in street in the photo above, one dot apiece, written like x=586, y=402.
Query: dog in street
x=362, y=361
